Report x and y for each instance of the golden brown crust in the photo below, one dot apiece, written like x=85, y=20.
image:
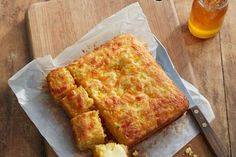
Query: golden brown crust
x=133, y=94
x=131, y=91
x=76, y=102
x=87, y=130
x=60, y=82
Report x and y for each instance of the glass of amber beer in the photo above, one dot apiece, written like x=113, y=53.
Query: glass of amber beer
x=207, y=17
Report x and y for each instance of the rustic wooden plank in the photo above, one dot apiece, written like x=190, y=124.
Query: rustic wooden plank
x=18, y=135
x=205, y=57
x=49, y=151
x=54, y=25
x=228, y=47
x=70, y=30
x=53, y=36
x=71, y=20
x=164, y=24
x=202, y=151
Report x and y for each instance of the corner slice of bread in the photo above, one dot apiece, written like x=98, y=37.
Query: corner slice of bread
x=76, y=102
x=60, y=82
x=88, y=130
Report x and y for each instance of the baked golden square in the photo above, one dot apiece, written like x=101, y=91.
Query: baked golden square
x=129, y=118
x=110, y=150
x=76, y=102
x=88, y=130
x=60, y=82
x=134, y=95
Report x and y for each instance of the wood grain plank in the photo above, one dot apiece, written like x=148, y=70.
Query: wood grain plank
x=70, y=21
x=195, y=144
x=70, y=30
x=205, y=57
x=53, y=36
x=164, y=24
x=18, y=135
x=51, y=31
x=228, y=47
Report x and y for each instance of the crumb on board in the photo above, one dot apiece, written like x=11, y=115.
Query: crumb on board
x=189, y=152
x=135, y=153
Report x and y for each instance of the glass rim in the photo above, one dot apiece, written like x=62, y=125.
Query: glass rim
x=201, y=2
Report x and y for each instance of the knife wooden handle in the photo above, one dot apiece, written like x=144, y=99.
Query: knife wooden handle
x=217, y=147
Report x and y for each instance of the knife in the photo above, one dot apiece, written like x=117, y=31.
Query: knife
x=206, y=130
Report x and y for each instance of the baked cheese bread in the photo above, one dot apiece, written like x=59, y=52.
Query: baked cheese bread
x=110, y=150
x=88, y=130
x=60, y=82
x=76, y=102
x=133, y=94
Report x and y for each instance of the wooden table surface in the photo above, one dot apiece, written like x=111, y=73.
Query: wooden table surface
x=212, y=65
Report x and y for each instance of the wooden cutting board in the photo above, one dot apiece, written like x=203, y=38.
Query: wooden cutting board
x=57, y=24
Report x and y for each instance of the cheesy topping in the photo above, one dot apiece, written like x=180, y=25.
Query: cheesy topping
x=88, y=130
x=131, y=91
x=60, y=82
x=77, y=102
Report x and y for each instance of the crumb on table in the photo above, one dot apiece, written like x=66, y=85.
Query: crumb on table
x=189, y=152
x=135, y=153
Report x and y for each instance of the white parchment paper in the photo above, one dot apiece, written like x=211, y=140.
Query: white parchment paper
x=52, y=122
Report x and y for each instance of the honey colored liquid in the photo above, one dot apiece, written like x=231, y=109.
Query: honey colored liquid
x=207, y=17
